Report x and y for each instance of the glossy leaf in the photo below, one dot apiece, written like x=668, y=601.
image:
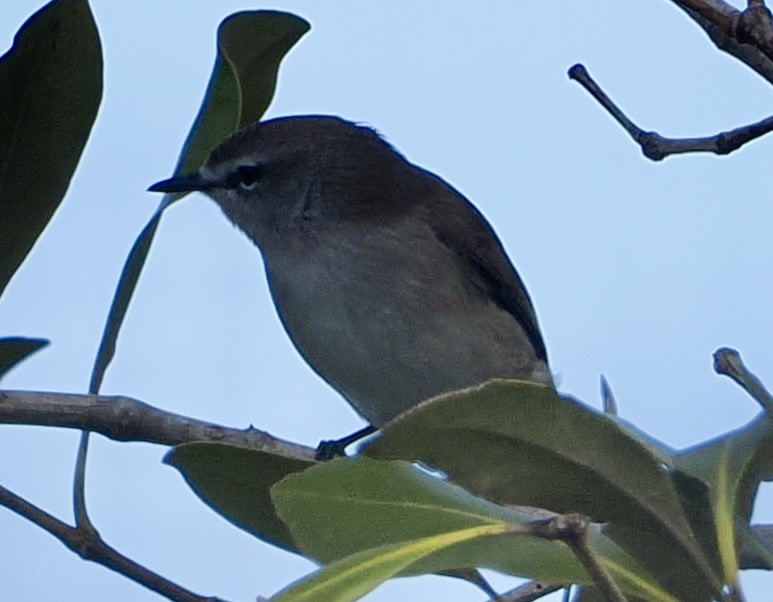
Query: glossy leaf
x=732, y=466
x=250, y=48
x=14, y=349
x=346, y=507
x=755, y=545
x=352, y=577
x=50, y=90
x=519, y=443
x=121, y=299
x=251, y=45
x=235, y=482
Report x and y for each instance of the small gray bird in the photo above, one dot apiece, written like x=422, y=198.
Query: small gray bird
x=391, y=285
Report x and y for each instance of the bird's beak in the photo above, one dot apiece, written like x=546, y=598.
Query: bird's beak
x=183, y=183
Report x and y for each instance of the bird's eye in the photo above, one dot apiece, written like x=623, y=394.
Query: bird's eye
x=245, y=176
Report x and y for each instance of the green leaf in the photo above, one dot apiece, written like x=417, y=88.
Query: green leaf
x=732, y=466
x=251, y=46
x=235, y=482
x=50, y=90
x=14, y=349
x=756, y=545
x=354, y=576
x=695, y=497
x=127, y=283
x=346, y=507
x=524, y=444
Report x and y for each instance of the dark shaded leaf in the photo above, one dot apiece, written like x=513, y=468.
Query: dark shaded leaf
x=250, y=48
x=14, y=349
x=756, y=546
x=695, y=498
x=732, y=466
x=235, y=482
x=50, y=90
x=520, y=443
x=121, y=299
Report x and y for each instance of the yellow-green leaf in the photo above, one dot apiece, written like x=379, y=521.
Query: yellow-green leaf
x=352, y=577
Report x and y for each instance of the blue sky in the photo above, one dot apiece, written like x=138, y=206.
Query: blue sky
x=638, y=270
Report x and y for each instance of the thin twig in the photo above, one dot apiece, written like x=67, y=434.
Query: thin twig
x=89, y=546
x=572, y=529
x=528, y=592
x=127, y=419
x=657, y=147
x=728, y=363
x=82, y=519
x=733, y=32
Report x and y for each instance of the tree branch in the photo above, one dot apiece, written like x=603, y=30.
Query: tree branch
x=746, y=35
x=120, y=419
x=90, y=546
x=528, y=592
x=126, y=419
x=657, y=147
x=572, y=529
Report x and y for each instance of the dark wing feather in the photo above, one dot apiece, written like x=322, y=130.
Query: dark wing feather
x=463, y=229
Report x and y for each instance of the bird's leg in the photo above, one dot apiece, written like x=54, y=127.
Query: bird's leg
x=327, y=450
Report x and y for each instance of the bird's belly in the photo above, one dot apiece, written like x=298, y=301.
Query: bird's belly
x=388, y=343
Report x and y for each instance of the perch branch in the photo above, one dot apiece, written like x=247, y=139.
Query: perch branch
x=127, y=419
x=657, y=147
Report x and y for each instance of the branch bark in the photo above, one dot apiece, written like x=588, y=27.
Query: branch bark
x=126, y=419
x=572, y=529
x=657, y=147
x=90, y=546
x=120, y=419
x=528, y=592
x=746, y=35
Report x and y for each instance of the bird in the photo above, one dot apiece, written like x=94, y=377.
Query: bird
x=391, y=285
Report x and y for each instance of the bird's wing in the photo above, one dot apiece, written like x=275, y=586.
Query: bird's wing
x=462, y=228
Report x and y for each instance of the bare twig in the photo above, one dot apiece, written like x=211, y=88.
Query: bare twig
x=657, y=147
x=572, y=529
x=745, y=35
x=89, y=546
x=728, y=363
x=528, y=592
x=82, y=520
x=121, y=419
x=126, y=419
